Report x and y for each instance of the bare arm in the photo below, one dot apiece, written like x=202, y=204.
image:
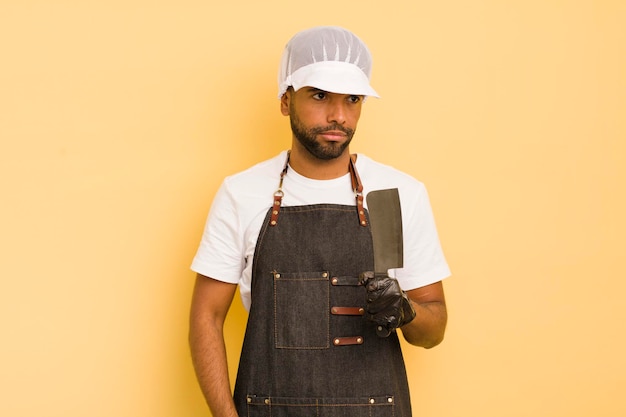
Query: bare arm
x=209, y=306
x=428, y=327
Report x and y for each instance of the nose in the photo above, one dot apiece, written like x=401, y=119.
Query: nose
x=337, y=112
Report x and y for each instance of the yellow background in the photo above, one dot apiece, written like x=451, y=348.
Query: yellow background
x=119, y=119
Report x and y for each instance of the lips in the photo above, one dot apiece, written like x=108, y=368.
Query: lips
x=333, y=135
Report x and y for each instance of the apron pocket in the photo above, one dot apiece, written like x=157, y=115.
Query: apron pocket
x=301, y=310
x=375, y=406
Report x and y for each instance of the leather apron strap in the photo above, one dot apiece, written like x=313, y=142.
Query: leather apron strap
x=357, y=187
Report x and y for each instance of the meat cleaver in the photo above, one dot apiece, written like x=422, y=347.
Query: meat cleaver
x=386, y=227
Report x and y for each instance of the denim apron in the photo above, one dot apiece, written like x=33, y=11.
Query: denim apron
x=308, y=350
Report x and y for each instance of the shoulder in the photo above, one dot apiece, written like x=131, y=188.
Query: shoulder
x=244, y=196
x=377, y=176
x=257, y=179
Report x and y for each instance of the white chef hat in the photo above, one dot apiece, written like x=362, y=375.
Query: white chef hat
x=329, y=58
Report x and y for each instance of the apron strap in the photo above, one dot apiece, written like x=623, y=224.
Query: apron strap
x=278, y=195
x=357, y=186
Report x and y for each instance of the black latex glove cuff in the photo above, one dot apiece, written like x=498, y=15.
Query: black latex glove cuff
x=387, y=305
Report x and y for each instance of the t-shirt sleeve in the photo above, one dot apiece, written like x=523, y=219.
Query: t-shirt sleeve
x=220, y=253
x=424, y=261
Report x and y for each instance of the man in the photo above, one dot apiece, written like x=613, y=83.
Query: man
x=294, y=233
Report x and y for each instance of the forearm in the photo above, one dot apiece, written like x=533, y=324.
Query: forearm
x=428, y=327
x=209, y=359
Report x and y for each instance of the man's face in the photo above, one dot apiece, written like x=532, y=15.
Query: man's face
x=323, y=123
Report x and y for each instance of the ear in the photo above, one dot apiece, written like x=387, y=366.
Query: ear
x=284, y=102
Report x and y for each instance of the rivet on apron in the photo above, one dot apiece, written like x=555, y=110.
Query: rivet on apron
x=348, y=341
x=267, y=401
x=372, y=401
x=390, y=400
x=249, y=400
x=277, y=202
x=324, y=274
x=278, y=195
x=334, y=281
x=347, y=311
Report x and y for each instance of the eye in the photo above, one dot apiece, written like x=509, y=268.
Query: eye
x=354, y=99
x=320, y=95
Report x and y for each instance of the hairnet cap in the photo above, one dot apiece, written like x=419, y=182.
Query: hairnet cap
x=329, y=58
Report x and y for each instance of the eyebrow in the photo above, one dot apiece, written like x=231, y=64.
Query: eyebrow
x=316, y=90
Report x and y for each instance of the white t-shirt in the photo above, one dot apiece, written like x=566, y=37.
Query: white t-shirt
x=239, y=208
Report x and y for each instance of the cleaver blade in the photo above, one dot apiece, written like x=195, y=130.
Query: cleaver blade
x=386, y=227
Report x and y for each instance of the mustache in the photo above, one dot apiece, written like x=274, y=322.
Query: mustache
x=334, y=126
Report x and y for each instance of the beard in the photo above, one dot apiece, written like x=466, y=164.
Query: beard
x=307, y=138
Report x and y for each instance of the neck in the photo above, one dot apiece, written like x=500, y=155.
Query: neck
x=309, y=166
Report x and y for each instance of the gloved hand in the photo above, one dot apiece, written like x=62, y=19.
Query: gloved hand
x=387, y=305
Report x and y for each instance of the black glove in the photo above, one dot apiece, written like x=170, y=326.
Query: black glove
x=387, y=305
